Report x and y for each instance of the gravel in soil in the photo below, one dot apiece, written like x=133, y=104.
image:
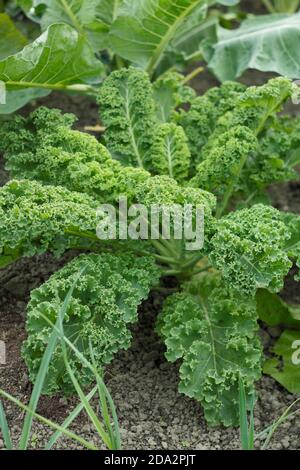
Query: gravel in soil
x=152, y=414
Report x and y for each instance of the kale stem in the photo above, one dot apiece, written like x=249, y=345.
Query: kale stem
x=51, y=86
x=165, y=259
x=192, y=75
x=230, y=188
x=192, y=261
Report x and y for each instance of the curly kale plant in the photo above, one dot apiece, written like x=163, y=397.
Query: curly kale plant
x=163, y=146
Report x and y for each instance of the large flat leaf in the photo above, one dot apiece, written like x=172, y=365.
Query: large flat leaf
x=268, y=43
x=144, y=29
x=11, y=39
x=91, y=18
x=285, y=366
x=60, y=57
x=16, y=99
x=273, y=311
x=292, y=247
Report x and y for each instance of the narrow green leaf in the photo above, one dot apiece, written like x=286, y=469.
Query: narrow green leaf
x=43, y=370
x=278, y=423
x=5, y=429
x=243, y=416
x=47, y=422
x=70, y=418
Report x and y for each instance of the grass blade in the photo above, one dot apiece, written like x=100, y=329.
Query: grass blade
x=86, y=363
x=70, y=418
x=105, y=399
x=5, y=429
x=278, y=422
x=251, y=432
x=49, y=423
x=41, y=376
x=243, y=416
x=88, y=408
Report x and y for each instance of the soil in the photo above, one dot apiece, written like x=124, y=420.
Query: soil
x=152, y=414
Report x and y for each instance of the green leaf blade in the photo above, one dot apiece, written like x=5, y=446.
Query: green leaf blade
x=214, y=332
x=266, y=43
x=143, y=30
x=59, y=58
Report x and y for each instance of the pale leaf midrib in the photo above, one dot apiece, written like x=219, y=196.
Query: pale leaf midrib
x=157, y=54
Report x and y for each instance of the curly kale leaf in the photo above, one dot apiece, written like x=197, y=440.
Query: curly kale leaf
x=213, y=331
x=103, y=305
x=163, y=190
x=22, y=134
x=277, y=155
x=224, y=160
x=128, y=112
x=135, y=114
x=170, y=154
x=169, y=93
x=274, y=159
x=200, y=121
x=248, y=247
x=78, y=162
x=43, y=147
x=35, y=219
x=254, y=111
x=258, y=105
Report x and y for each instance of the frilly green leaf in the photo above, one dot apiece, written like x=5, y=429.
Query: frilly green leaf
x=103, y=305
x=170, y=154
x=248, y=247
x=213, y=331
x=35, y=219
x=128, y=112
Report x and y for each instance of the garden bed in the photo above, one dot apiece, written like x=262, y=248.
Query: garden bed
x=152, y=414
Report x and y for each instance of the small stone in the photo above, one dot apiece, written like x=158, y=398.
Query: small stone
x=1, y=444
x=24, y=380
x=86, y=428
x=63, y=401
x=123, y=432
x=257, y=423
x=151, y=442
x=286, y=442
x=200, y=447
x=150, y=365
x=278, y=446
x=164, y=445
